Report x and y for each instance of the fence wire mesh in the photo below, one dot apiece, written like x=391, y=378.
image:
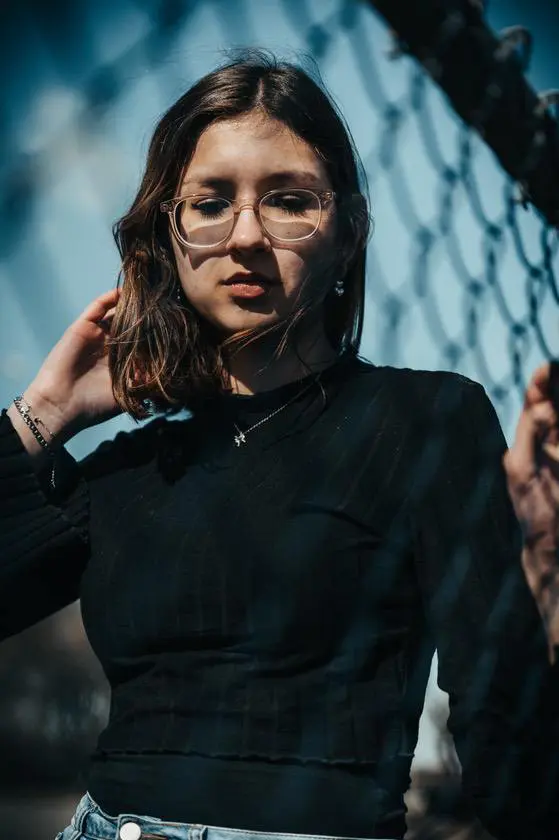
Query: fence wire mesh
x=460, y=275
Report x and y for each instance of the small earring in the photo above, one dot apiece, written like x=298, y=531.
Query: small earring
x=339, y=288
x=178, y=294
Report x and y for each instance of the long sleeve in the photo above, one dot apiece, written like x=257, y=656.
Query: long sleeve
x=43, y=540
x=504, y=713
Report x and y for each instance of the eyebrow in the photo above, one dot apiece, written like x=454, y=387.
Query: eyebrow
x=275, y=179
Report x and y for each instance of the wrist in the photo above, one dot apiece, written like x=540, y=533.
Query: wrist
x=547, y=599
x=50, y=417
x=550, y=615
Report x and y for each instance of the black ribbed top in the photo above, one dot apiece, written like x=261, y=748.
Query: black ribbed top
x=279, y=601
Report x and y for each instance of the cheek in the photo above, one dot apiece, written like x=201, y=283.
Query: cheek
x=290, y=264
x=317, y=257
x=193, y=269
x=308, y=274
x=316, y=251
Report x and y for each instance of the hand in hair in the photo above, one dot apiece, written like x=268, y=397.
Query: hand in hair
x=532, y=467
x=73, y=388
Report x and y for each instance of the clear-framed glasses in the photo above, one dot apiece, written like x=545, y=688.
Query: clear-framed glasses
x=204, y=221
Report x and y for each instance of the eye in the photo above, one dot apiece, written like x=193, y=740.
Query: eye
x=291, y=203
x=210, y=207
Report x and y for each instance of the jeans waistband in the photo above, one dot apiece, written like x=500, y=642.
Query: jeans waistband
x=89, y=821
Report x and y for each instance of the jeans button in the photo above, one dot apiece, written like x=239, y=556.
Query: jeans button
x=130, y=831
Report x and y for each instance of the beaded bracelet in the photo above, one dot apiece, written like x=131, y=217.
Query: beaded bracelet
x=25, y=411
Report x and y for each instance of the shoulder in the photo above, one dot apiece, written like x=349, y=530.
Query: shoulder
x=446, y=407
x=416, y=389
x=127, y=450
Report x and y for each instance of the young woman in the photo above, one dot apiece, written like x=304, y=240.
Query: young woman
x=265, y=580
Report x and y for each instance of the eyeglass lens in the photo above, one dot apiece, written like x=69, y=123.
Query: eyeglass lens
x=208, y=220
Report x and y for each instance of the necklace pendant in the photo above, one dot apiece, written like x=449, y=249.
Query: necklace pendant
x=240, y=438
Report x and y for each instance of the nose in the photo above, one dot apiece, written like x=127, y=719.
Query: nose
x=247, y=232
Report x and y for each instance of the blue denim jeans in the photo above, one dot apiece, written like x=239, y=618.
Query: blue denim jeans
x=91, y=823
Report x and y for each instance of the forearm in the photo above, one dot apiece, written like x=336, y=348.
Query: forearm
x=43, y=547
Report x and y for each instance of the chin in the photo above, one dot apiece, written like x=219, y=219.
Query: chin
x=231, y=327
x=250, y=315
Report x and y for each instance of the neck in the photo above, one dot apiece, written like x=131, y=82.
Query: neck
x=257, y=368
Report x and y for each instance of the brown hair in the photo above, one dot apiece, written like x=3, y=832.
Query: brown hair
x=163, y=355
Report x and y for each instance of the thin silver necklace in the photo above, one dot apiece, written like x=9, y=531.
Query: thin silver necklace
x=240, y=437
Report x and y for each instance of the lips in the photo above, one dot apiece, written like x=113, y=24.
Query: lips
x=247, y=284
x=247, y=279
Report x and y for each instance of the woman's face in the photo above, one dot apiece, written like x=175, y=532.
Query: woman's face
x=240, y=160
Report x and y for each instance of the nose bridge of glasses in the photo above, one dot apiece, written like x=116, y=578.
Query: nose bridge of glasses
x=240, y=207
x=254, y=206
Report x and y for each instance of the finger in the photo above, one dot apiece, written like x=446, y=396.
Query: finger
x=551, y=451
x=544, y=418
x=519, y=460
x=554, y=383
x=97, y=309
x=547, y=433
x=109, y=314
x=537, y=426
x=544, y=384
x=106, y=321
